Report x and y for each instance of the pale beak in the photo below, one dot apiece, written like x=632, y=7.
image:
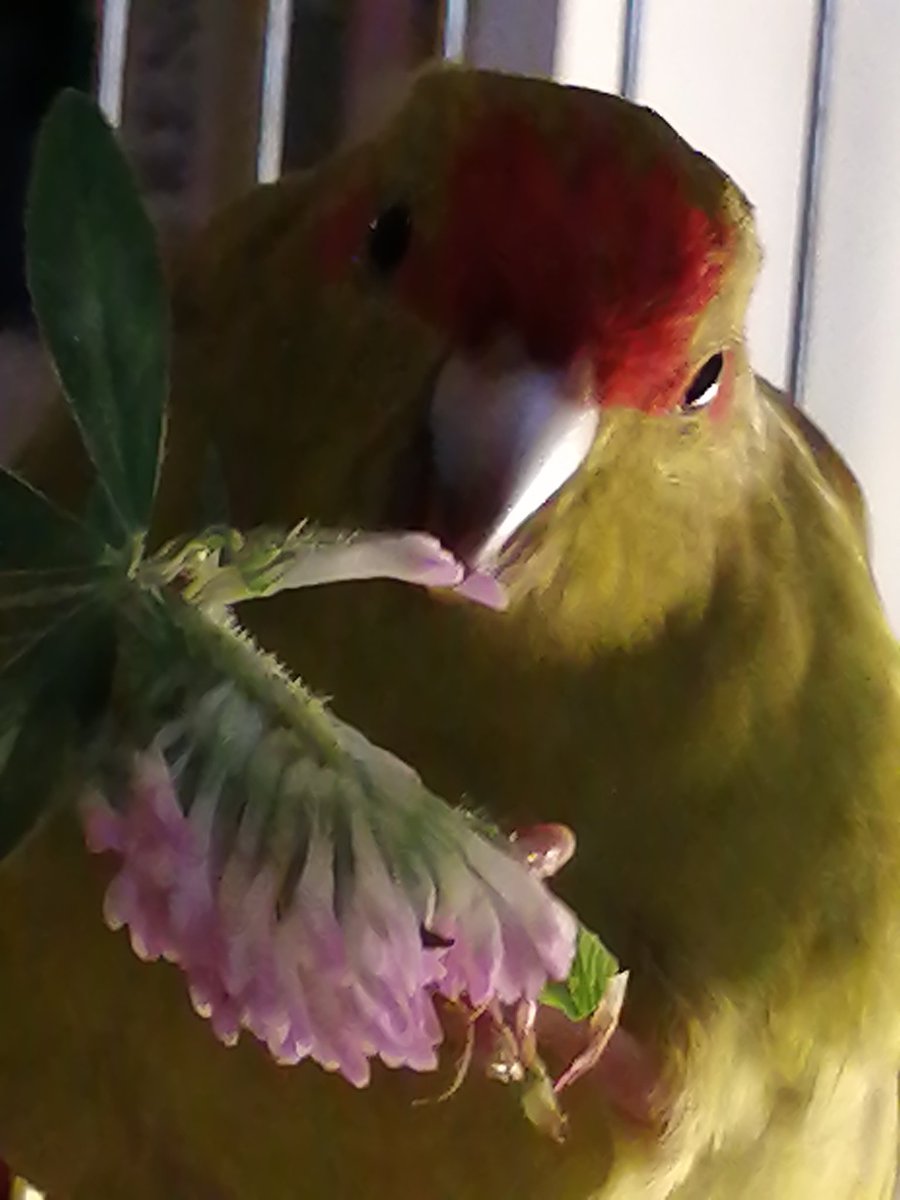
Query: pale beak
x=504, y=439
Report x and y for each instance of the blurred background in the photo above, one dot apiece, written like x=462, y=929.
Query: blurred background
x=799, y=102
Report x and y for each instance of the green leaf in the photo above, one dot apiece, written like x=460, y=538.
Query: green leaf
x=592, y=968
x=35, y=534
x=49, y=566
x=98, y=291
x=45, y=713
x=57, y=580
x=99, y=516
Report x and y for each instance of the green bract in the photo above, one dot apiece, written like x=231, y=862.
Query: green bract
x=97, y=288
x=592, y=969
x=98, y=291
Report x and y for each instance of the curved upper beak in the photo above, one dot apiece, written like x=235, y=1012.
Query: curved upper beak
x=505, y=436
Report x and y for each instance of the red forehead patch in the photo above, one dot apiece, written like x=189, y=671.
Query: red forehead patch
x=577, y=249
x=596, y=257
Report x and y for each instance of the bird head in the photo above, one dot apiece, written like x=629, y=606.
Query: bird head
x=537, y=295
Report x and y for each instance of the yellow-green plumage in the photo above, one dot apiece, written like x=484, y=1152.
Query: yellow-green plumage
x=694, y=673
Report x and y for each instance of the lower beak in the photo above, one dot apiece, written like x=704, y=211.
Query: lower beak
x=504, y=440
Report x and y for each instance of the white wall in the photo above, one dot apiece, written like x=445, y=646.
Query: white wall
x=854, y=368
x=734, y=77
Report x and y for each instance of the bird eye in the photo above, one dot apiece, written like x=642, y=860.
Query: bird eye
x=704, y=386
x=389, y=236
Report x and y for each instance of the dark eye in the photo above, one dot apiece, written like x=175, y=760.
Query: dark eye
x=704, y=386
x=389, y=237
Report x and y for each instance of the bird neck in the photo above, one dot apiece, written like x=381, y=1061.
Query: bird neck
x=748, y=832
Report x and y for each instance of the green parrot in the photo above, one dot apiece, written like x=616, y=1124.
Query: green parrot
x=515, y=320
